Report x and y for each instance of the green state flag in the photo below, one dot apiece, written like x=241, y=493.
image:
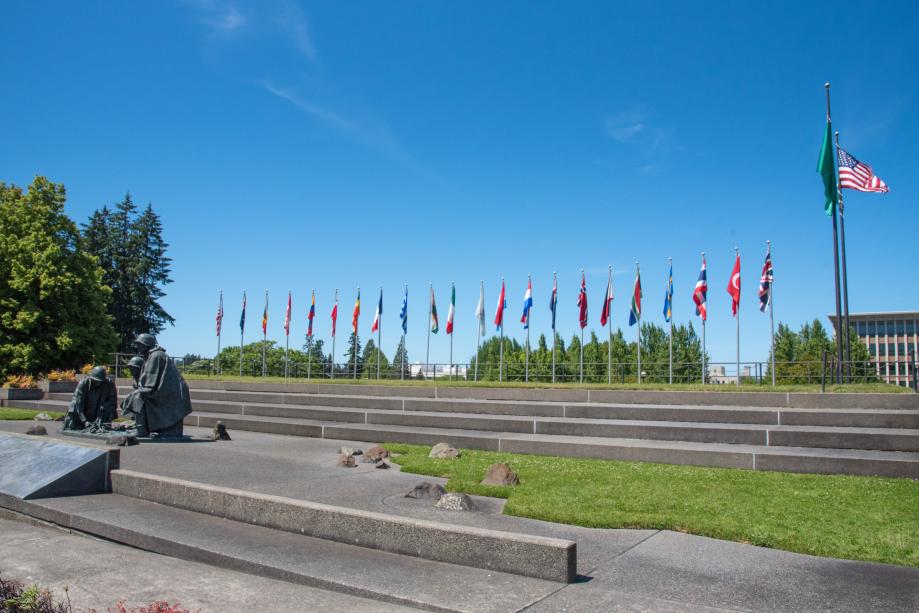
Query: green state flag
x=828, y=171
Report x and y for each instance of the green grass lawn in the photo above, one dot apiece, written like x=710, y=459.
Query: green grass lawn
x=18, y=414
x=859, y=518
x=676, y=387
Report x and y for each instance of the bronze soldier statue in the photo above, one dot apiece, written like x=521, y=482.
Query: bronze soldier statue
x=161, y=400
x=93, y=403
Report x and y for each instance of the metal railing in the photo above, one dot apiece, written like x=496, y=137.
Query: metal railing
x=541, y=371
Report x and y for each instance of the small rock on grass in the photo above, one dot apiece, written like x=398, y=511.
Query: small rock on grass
x=346, y=461
x=427, y=491
x=376, y=453
x=43, y=417
x=455, y=502
x=37, y=431
x=350, y=451
x=500, y=474
x=443, y=450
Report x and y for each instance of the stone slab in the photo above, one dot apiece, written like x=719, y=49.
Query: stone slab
x=37, y=468
x=527, y=555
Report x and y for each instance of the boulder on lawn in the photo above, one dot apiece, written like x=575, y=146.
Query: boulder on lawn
x=500, y=474
x=443, y=450
x=37, y=431
x=427, y=491
x=455, y=502
x=346, y=461
x=375, y=454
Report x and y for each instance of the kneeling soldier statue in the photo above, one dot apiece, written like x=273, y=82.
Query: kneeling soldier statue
x=93, y=403
x=161, y=400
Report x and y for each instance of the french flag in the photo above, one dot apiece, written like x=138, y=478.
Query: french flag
x=527, y=305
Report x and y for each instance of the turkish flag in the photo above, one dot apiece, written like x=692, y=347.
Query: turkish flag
x=734, y=286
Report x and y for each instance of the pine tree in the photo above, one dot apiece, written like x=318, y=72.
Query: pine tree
x=400, y=367
x=354, y=343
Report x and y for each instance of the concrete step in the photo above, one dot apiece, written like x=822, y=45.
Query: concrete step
x=749, y=456
x=387, y=577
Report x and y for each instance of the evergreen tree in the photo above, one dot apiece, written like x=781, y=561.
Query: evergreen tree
x=132, y=253
x=400, y=367
x=369, y=359
x=354, y=345
x=52, y=297
x=799, y=355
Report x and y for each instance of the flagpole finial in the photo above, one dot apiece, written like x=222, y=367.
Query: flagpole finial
x=827, y=85
x=669, y=259
x=768, y=241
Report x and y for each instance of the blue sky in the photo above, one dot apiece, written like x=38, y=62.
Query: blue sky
x=298, y=145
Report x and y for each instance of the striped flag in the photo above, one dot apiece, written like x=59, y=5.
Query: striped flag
x=312, y=314
x=452, y=311
x=242, y=317
x=553, y=300
x=219, y=317
x=582, y=302
x=765, y=282
x=605, y=313
x=435, y=324
x=668, y=297
x=700, y=293
x=265, y=315
x=527, y=305
x=858, y=175
x=480, y=309
x=287, y=317
x=499, y=311
x=357, y=312
x=403, y=314
x=635, y=313
x=379, y=312
x=335, y=313
x=734, y=286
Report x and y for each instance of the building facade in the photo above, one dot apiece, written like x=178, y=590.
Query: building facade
x=892, y=338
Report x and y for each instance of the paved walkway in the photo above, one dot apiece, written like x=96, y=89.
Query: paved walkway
x=628, y=570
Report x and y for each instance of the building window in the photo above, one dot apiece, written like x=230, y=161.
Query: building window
x=872, y=328
x=911, y=327
x=882, y=349
x=901, y=327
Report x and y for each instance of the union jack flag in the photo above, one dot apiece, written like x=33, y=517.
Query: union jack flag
x=858, y=175
x=700, y=292
x=765, y=283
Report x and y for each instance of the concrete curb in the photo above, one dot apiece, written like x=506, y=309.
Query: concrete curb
x=531, y=556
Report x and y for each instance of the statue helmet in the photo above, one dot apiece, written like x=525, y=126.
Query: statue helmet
x=146, y=339
x=136, y=362
x=98, y=374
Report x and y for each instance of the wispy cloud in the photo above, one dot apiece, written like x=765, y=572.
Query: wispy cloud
x=638, y=130
x=291, y=19
x=624, y=127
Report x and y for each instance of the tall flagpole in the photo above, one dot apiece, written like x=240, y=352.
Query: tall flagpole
x=772, y=311
x=703, y=329
x=845, y=276
x=554, y=308
x=402, y=370
x=501, y=347
x=670, y=304
x=355, y=337
x=478, y=328
x=638, y=331
x=287, y=340
x=427, y=357
x=334, y=325
x=609, y=328
x=380, y=333
x=264, y=337
x=737, y=321
x=581, y=368
x=452, y=292
x=242, y=334
x=219, y=332
x=526, y=368
x=836, y=264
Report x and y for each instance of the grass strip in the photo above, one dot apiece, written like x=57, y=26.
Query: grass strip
x=857, y=518
x=10, y=413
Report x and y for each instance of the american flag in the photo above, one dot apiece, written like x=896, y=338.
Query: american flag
x=700, y=292
x=858, y=175
x=765, y=283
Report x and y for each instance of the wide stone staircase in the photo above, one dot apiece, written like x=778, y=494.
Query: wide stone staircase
x=858, y=434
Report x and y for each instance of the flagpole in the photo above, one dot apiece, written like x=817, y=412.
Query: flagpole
x=501, y=347
x=737, y=320
x=219, y=333
x=478, y=333
x=772, y=311
x=380, y=333
x=405, y=298
x=703, y=330
x=554, y=306
x=265, y=338
x=581, y=368
x=670, y=305
x=452, y=306
x=287, y=340
x=242, y=334
x=609, y=328
x=836, y=265
x=845, y=276
x=526, y=368
x=427, y=357
x=334, y=325
x=638, y=331
x=309, y=337
x=354, y=376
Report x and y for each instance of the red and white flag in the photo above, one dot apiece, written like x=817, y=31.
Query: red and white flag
x=335, y=313
x=582, y=302
x=734, y=286
x=287, y=317
x=608, y=302
x=858, y=175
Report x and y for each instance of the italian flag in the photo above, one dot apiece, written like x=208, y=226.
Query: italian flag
x=452, y=309
x=434, y=324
